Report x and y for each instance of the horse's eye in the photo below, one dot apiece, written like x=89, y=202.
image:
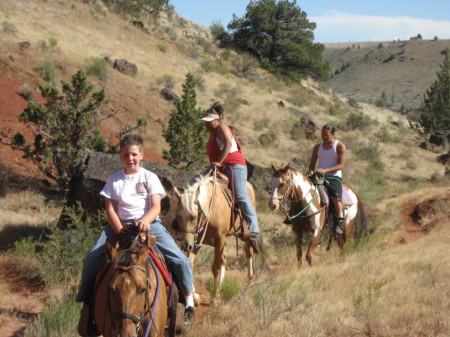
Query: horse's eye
x=142, y=291
x=281, y=185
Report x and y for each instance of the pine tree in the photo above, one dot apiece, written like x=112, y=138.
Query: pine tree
x=186, y=133
x=435, y=109
x=280, y=36
x=65, y=128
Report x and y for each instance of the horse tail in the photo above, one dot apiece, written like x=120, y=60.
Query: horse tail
x=260, y=249
x=360, y=227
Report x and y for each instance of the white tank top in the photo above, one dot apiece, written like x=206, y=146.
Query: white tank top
x=329, y=158
x=233, y=148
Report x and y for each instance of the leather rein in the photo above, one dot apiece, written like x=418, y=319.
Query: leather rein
x=290, y=194
x=138, y=320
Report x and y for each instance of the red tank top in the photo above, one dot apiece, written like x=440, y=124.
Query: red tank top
x=234, y=158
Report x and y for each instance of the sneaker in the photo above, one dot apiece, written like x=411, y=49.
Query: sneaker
x=338, y=230
x=189, y=314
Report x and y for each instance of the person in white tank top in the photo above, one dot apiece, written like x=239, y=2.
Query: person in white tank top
x=331, y=154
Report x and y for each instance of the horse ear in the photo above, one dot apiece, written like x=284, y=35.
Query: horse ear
x=111, y=252
x=273, y=167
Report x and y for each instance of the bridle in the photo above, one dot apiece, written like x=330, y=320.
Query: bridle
x=138, y=320
x=202, y=221
x=289, y=195
x=121, y=315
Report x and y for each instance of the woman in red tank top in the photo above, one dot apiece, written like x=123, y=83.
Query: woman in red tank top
x=225, y=154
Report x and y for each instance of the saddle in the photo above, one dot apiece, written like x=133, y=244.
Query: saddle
x=237, y=212
x=321, y=184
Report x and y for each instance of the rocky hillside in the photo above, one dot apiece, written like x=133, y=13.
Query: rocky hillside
x=404, y=70
x=46, y=42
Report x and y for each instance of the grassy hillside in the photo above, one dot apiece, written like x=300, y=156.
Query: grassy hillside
x=362, y=294
x=404, y=70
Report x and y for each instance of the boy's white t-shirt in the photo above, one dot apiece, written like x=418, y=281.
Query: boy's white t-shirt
x=132, y=192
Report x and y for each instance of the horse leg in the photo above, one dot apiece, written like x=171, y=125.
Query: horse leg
x=218, y=267
x=315, y=236
x=249, y=255
x=298, y=244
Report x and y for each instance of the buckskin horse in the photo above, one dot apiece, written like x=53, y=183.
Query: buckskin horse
x=204, y=213
x=294, y=189
x=132, y=298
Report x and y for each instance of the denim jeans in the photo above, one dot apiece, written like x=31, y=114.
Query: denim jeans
x=178, y=263
x=239, y=176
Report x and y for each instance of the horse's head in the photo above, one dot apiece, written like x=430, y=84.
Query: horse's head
x=191, y=207
x=128, y=289
x=279, y=184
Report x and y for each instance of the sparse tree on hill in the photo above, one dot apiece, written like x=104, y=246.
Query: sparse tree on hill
x=280, y=36
x=65, y=129
x=136, y=7
x=186, y=133
x=435, y=109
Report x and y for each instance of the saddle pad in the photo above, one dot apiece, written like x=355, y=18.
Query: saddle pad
x=165, y=274
x=346, y=199
x=101, y=273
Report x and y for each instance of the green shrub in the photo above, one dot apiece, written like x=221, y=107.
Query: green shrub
x=357, y=121
x=260, y=123
x=162, y=47
x=8, y=27
x=53, y=41
x=98, y=67
x=385, y=136
x=26, y=91
x=199, y=82
x=230, y=288
x=411, y=164
x=58, y=319
x=47, y=70
x=204, y=43
x=244, y=65
x=62, y=254
x=369, y=152
x=209, y=65
x=166, y=80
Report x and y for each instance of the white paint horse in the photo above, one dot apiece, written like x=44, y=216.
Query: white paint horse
x=294, y=189
x=204, y=213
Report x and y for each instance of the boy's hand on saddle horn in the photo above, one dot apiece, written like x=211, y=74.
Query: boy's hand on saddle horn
x=142, y=226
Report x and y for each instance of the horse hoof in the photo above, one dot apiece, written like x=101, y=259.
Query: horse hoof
x=197, y=299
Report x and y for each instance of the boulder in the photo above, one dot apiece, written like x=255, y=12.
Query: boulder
x=169, y=95
x=440, y=138
x=125, y=67
x=98, y=166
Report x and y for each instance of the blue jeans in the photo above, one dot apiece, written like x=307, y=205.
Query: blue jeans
x=178, y=263
x=239, y=177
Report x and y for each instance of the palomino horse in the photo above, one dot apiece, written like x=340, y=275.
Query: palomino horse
x=306, y=212
x=132, y=299
x=203, y=215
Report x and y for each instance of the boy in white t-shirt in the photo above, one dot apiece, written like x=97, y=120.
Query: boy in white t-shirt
x=133, y=198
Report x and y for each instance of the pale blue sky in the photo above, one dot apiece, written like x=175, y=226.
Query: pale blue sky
x=342, y=20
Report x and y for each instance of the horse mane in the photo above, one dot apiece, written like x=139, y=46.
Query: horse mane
x=188, y=197
x=126, y=256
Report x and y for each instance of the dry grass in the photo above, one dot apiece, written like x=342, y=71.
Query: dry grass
x=378, y=291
